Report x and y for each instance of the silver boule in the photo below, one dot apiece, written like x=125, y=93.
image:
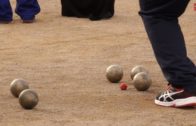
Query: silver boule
x=17, y=86
x=142, y=81
x=114, y=73
x=28, y=99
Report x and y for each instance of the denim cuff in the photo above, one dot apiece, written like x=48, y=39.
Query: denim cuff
x=6, y=19
x=27, y=17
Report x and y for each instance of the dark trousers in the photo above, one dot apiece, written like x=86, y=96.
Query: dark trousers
x=92, y=9
x=26, y=9
x=160, y=18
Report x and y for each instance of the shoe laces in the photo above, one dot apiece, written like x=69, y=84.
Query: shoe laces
x=168, y=93
x=170, y=88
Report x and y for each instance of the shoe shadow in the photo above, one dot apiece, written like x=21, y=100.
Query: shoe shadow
x=188, y=108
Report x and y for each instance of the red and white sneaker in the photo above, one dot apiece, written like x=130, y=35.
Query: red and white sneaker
x=174, y=97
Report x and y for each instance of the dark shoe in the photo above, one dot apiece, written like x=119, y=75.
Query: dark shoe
x=5, y=22
x=28, y=21
x=174, y=97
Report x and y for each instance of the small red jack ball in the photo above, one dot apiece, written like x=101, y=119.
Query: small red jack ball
x=123, y=86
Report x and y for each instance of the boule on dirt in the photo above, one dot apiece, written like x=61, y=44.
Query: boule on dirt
x=142, y=81
x=17, y=86
x=137, y=69
x=114, y=73
x=28, y=99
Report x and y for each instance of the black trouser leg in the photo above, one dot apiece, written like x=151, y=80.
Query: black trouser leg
x=160, y=18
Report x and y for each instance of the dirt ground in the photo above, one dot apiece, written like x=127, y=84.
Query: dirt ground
x=64, y=60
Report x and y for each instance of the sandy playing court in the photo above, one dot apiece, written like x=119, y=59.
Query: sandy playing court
x=64, y=60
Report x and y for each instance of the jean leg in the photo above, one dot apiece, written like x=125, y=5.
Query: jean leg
x=160, y=18
x=27, y=9
x=5, y=11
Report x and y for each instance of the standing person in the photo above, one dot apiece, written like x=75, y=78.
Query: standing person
x=92, y=9
x=160, y=19
x=26, y=9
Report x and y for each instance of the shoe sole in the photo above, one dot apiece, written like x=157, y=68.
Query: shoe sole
x=5, y=22
x=28, y=21
x=187, y=102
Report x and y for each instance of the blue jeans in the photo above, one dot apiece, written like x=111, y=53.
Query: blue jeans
x=26, y=9
x=160, y=18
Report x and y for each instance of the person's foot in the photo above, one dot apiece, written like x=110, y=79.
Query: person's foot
x=28, y=21
x=5, y=22
x=174, y=97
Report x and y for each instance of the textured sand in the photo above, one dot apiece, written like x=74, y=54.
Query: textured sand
x=64, y=60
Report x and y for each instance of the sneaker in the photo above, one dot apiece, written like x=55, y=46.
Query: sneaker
x=174, y=97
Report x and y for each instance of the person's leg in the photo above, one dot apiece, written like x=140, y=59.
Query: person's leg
x=160, y=18
x=161, y=22
x=77, y=8
x=93, y=9
x=102, y=9
x=27, y=9
x=66, y=8
x=5, y=11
